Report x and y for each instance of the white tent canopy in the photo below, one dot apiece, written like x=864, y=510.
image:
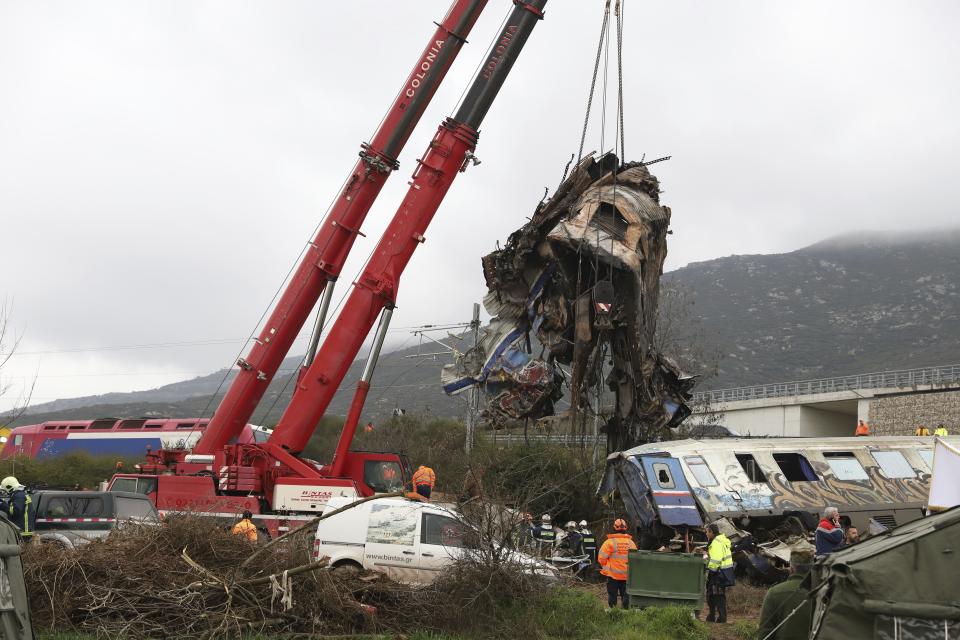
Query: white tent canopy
x=945, y=484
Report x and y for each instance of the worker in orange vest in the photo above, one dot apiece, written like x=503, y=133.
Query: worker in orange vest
x=863, y=429
x=423, y=480
x=246, y=527
x=613, y=562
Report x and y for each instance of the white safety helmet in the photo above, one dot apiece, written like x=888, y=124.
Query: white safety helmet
x=545, y=518
x=583, y=523
x=570, y=525
x=8, y=485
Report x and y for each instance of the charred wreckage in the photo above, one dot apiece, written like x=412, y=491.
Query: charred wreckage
x=577, y=286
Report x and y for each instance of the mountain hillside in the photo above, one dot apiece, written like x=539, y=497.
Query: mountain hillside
x=402, y=380
x=851, y=304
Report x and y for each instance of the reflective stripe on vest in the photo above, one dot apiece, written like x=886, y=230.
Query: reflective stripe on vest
x=613, y=555
x=720, y=554
x=25, y=529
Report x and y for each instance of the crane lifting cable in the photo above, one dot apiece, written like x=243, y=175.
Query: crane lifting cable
x=578, y=286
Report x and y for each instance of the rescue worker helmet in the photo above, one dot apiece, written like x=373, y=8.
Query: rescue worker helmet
x=8, y=485
x=583, y=523
x=247, y=515
x=545, y=518
x=620, y=524
x=570, y=526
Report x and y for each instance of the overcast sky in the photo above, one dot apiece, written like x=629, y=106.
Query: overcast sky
x=162, y=163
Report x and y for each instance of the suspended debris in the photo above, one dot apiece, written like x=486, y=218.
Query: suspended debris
x=578, y=286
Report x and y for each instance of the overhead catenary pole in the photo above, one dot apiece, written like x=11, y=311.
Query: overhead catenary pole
x=474, y=398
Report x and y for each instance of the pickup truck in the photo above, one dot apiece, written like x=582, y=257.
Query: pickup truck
x=72, y=518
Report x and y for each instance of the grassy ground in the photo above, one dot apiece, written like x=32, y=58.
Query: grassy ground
x=582, y=613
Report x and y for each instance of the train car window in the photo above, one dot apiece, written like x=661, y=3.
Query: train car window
x=751, y=468
x=49, y=427
x=77, y=426
x=893, y=464
x=186, y=425
x=698, y=467
x=18, y=440
x=664, y=478
x=845, y=465
x=927, y=455
x=103, y=424
x=132, y=424
x=795, y=467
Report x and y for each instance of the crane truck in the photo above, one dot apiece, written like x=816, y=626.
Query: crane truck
x=270, y=478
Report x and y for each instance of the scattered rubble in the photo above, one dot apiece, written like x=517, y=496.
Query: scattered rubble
x=577, y=286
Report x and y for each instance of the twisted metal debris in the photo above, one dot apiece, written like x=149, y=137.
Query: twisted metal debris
x=577, y=286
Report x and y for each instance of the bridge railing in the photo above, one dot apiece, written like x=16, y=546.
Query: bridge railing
x=881, y=380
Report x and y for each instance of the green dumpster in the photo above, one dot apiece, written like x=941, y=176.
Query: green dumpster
x=660, y=579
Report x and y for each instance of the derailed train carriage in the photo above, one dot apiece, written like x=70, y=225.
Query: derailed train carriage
x=771, y=488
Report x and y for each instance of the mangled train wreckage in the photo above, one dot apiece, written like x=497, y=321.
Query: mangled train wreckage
x=769, y=489
x=577, y=286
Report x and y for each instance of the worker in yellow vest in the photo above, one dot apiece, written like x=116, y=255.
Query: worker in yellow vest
x=941, y=431
x=246, y=528
x=921, y=431
x=719, y=573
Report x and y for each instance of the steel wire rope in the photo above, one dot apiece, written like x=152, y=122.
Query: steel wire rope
x=593, y=82
x=280, y=288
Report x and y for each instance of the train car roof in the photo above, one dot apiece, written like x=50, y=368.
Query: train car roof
x=776, y=444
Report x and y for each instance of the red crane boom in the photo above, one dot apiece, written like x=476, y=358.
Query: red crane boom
x=376, y=289
x=326, y=254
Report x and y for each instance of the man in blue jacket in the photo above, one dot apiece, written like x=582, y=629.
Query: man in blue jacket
x=829, y=535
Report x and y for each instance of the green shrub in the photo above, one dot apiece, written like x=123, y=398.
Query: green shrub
x=74, y=470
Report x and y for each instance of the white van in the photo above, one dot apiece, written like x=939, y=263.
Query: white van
x=408, y=540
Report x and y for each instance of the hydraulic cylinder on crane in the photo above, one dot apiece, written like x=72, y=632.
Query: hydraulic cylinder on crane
x=326, y=254
x=376, y=289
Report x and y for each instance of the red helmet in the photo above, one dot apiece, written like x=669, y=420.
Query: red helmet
x=620, y=524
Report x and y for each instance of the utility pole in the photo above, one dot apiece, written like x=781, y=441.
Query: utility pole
x=473, y=403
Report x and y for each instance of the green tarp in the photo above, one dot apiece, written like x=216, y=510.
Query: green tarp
x=14, y=610
x=903, y=585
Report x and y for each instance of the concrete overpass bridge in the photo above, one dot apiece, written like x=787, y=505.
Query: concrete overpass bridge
x=891, y=401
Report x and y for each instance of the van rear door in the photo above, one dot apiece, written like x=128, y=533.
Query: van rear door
x=670, y=491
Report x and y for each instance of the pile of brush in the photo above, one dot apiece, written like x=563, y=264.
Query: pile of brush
x=192, y=578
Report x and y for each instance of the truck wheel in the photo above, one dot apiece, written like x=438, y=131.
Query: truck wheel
x=346, y=569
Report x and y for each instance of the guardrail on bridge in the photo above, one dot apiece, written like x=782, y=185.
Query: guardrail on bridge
x=949, y=374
